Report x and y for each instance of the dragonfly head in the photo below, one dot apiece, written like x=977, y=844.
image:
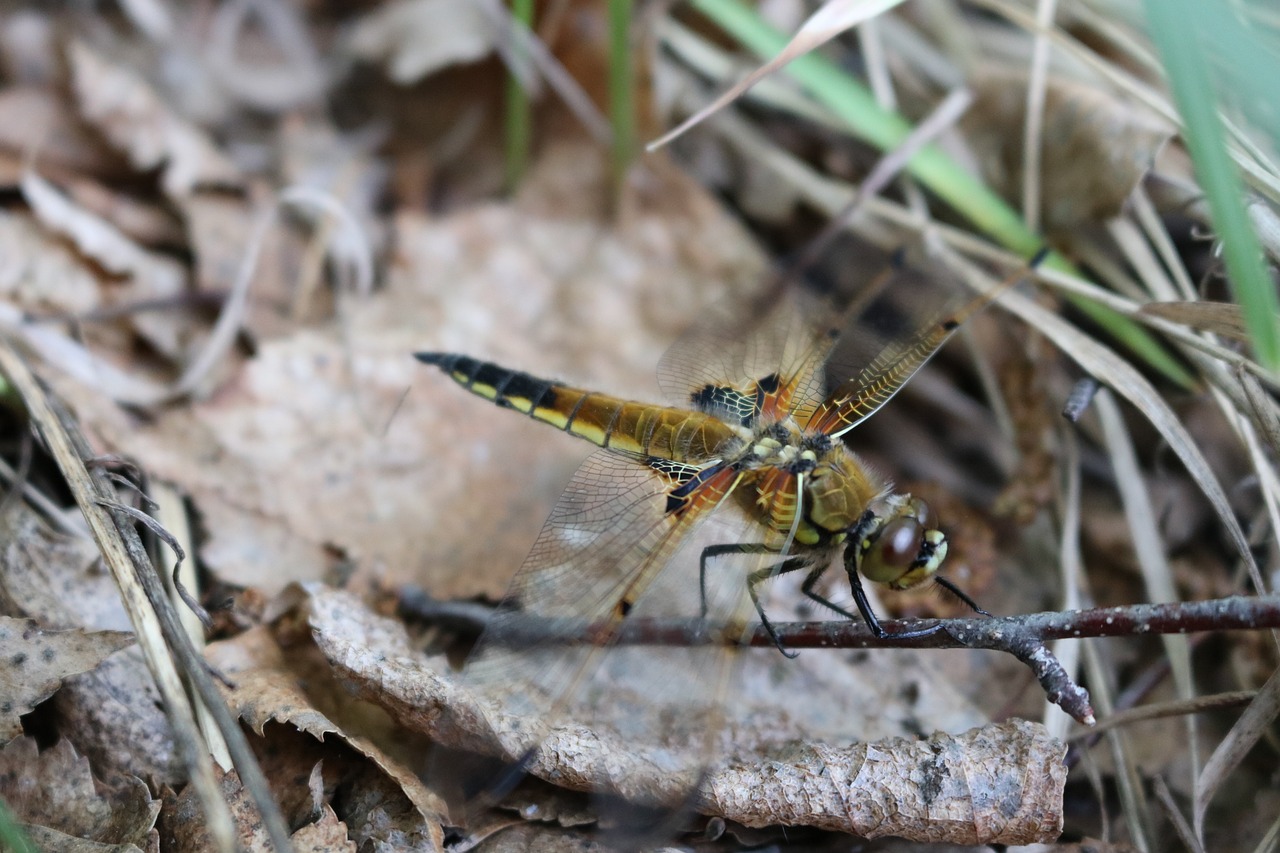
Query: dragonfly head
x=902, y=548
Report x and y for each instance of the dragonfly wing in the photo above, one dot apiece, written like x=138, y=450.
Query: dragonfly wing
x=604, y=556
x=780, y=342
x=772, y=350
x=896, y=357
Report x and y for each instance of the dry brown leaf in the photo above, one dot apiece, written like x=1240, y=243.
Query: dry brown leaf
x=35, y=121
x=149, y=276
x=1099, y=145
x=269, y=687
x=377, y=815
x=93, y=236
x=55, y=790
x=139, y=123
x=1012, y=790
x=40, y=274
x=183, y=826
x=325, y=835
x=532, y=838
x=111, y=714
x=34, y=661
x=52, y=577
x=415, y=38
x=220, y=229
x=51, y=841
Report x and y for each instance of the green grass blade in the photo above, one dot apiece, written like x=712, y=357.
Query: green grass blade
x=621, y=87
x=1182, y=30
x=518, y=119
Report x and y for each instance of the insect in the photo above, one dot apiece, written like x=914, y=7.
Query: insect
x=754, y=435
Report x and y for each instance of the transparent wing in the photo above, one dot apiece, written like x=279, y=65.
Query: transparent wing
x=889, y=348
x=785, y=337
x=621, y=545
x=772, y=350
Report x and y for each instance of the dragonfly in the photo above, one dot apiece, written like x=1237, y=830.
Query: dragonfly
x=752, y=432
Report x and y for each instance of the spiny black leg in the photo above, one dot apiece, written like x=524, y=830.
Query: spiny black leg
x=951, y=587
x=790, y=564
x=807, y=589
x=719, y=551
x=868, y=615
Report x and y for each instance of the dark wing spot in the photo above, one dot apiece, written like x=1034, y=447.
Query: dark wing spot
x=691, y=479
x=769, y=384
x=728, y=404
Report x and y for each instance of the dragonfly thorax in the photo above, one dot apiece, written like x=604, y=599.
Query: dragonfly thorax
x=806, y=486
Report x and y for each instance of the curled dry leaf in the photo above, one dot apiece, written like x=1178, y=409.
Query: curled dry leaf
x=415, y=38
x=33, y=663
x=40, y=275
x=1000, y=784
x=150, y=276
x=138, y=122
x=55, y=791
x=1100, y=145
x=268, y=687
x=34, y=121
x=326, y=834
x=112, y=714
x=183, y=827
x=1012, y=792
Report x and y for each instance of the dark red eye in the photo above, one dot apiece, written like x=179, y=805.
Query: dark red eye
x=899, y=543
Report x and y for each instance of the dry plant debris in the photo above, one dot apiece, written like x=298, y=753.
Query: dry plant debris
x=54, y=793
x=228, y=226
x=34, y=662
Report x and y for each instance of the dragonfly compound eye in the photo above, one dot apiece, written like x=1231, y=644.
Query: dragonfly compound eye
x=905, y=553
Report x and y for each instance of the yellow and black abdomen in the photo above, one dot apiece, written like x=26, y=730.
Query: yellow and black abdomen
x=601, y=419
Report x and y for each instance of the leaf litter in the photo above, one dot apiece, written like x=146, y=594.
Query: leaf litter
x=312, y=451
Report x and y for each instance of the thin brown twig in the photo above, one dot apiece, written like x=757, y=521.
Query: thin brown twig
x=1025, y=637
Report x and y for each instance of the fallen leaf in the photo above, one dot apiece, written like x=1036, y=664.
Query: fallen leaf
x=136, y=120
x=326, y=834
x=111, y=714
x=269, y=687
x=414, y=38
x=764, y=754
x=33, y=663
x=34, y=121
x=149, y=277
x=39, y=274
x=183, y=827
x=54, y=790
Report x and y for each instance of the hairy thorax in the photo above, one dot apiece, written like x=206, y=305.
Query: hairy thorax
x=804, y=482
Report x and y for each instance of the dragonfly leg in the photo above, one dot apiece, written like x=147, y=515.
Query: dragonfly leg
x=719, y=551
x=807, y=589
x=869, y=616
x=950, y=586
x=754, y=579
